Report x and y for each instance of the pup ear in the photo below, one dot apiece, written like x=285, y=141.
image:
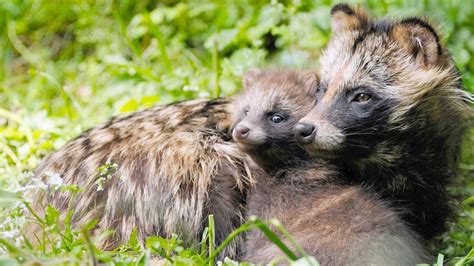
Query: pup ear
x=310, y=79
x=347, y=18
x=251, y=76
x=419, y=39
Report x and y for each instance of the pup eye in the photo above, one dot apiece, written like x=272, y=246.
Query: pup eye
x=277, y=119
x=246, y=112
x=362, y=97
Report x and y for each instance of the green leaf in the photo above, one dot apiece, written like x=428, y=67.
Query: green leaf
x=130, y=106
x=51, y=216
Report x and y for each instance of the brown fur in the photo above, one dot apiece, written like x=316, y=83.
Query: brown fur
x=274, y=92
x=404, y=142
x=175, y=166
x=337, y=224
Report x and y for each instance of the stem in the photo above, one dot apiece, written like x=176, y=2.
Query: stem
x=162, y=47
x=31, y=58
x=245, y=227
x=211, y=238
x=90, y=247
x=34, y=213
x=215, y=68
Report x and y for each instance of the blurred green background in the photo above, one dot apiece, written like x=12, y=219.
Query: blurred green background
x=66, y=65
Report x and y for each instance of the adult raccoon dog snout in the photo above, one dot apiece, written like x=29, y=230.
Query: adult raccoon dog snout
x=394, y=108
x=321, y=135
x=304, y=132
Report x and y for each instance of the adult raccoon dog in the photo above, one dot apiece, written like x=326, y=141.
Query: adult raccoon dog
x=337, y=224
x=392, y=115
x=175, y=165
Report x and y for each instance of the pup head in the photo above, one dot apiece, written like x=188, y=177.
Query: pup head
x=272, y=102
x=382, y=80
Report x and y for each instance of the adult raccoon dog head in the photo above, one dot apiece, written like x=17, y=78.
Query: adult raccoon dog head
x=394, y=108
x=382, y=79
x=272, y=103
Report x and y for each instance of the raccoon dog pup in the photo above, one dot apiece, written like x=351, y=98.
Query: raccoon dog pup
x=335, y=223
x=392, y=115
x=175, y=166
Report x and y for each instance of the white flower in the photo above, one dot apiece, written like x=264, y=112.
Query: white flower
x=190, y=88
x=9, y=234
x=203, y=94
x=55, y=180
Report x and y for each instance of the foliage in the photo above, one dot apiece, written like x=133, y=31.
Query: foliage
x=67, y=65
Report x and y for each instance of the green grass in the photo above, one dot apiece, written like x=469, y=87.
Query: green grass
x=67, y=65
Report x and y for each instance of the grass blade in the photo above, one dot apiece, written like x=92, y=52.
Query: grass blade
x=440, y=260
x=16, y=251
x=287, y=235
x=275, y=239
x=90, y=247
x=466, y=260
x=212, y=238
x=205, y=236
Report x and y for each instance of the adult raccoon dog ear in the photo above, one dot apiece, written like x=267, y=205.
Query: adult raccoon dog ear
x=419, y=39
x=347, y=18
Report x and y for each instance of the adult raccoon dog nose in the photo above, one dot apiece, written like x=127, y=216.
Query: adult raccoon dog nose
x=241, y=132
x=304, y=133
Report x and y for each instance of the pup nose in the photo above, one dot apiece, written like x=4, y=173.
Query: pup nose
x=304, y=133
x=241, y=132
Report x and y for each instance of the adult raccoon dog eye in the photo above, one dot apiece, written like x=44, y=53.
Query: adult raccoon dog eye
x=277, y=119
x=362, y=98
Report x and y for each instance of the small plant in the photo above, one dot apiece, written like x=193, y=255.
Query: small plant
x=105, y=173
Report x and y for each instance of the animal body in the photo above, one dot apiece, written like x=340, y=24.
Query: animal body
x=338, y=224
x=392, y=114
x=170, y=167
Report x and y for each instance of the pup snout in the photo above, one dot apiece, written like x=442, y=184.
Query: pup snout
x=241, y=132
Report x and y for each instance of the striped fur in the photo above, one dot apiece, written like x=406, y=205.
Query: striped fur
x=175, y=166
